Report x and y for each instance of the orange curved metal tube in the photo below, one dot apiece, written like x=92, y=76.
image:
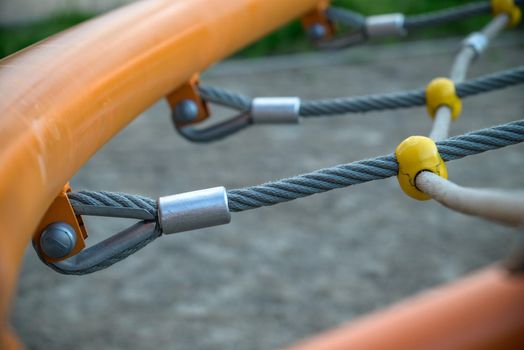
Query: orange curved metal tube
x=483, y=311
x=65, y=97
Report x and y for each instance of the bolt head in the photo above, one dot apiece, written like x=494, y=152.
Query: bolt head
x=186, y=111
x=317, y=31
x=58, y=240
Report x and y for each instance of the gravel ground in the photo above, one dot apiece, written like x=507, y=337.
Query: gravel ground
x=278, y=274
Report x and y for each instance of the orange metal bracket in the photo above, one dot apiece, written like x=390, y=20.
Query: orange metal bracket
x=62, y=210
x=318, y=16
x=189, y=90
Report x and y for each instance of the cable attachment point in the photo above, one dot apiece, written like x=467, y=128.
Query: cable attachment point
x=272, y=110
x=477, y=41
x=193, y=210
x=441, y=92
x=508, y=7
x=187, y=105
x=316, y=23
x=189, y=108
x=61, y=233
x=385, y=25
x=414, y=155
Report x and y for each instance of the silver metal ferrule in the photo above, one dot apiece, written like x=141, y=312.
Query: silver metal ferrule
x=477, y=41
x=271, y=110
x=193, y=210
x=385, y=25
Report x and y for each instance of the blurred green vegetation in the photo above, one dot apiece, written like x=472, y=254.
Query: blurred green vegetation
x=17, y=37
x=289, y=38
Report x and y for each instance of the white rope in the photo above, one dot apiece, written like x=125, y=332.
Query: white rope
x=440, y=129
x=461, y=64
x=495, y=26
x=442, y=122
x=506, y=208
x=494, y=205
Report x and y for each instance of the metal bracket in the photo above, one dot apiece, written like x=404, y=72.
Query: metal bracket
x=188, y=108
x=60, y=218
x=187, y=105
x=317, y=24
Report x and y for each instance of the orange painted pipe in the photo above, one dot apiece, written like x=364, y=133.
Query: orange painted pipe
x=64, y=98
x=483, y=311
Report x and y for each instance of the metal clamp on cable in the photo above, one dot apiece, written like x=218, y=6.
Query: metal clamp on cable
x=270, y=110
x=415, y=155
x=385, y=25
x=477, y=41
x=193, y=210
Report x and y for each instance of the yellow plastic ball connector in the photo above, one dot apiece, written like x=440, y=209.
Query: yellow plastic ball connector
x=441, y=92
x=414, y=155
x=510, y=8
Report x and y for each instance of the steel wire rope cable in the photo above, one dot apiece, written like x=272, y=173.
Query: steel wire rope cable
x=368, y=103
x=357, y=20
x=330, y=178
x=300, y=186
x=447, y=15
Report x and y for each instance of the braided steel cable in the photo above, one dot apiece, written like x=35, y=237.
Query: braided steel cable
x=300, y=186
x=112, y=199
x=332, y=178
x=368, y=170
x=377, y=102
x=357, y=20
x=346, y=17
x=225, y=97
x=446, y=15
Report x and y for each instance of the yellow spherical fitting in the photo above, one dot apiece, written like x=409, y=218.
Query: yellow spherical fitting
x=414, y=155
x=441, y=92
x=510, y=8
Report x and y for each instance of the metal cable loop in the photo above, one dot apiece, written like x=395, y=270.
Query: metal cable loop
x=107, y=262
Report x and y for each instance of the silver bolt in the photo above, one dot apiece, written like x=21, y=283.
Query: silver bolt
x=58, y=240
x=317, y=31
x=186, y=111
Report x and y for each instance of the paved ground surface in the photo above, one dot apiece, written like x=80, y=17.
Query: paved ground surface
x=278, y=274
